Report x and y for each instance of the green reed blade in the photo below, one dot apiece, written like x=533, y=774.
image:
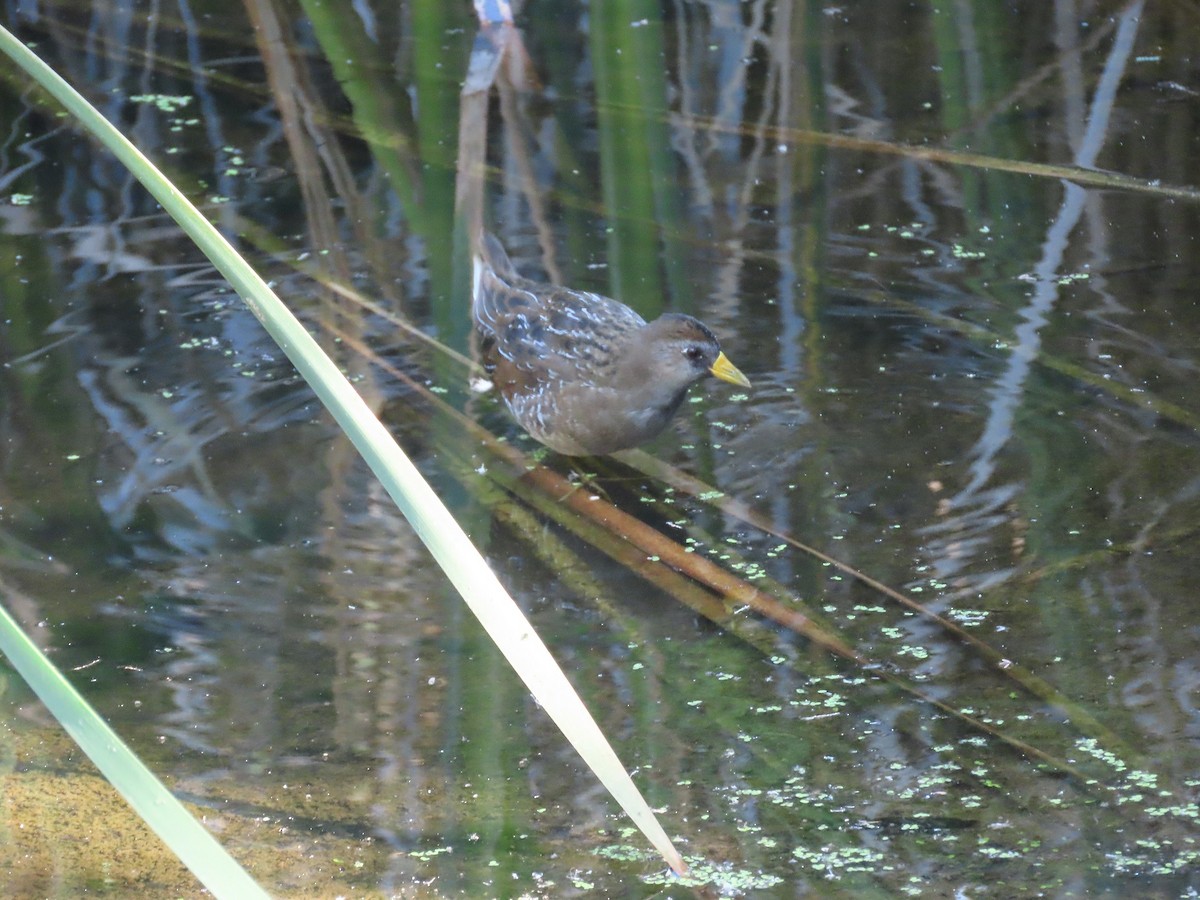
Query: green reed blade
x=195, y=847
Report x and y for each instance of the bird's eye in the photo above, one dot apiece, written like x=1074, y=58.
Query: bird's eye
x=694, y=353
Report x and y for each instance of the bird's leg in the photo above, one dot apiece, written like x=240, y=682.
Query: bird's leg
x=581, y=479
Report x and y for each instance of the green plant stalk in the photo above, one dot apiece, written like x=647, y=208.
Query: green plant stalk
x=627, y=167
x=466, y=569
x=351, y=57
x=166, y=816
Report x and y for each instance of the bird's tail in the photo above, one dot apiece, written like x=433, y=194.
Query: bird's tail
x=491, y=262
x=493, y=255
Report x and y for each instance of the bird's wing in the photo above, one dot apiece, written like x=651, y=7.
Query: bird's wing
x=542, y=327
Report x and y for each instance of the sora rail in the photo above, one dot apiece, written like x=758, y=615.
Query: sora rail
x=582, y=373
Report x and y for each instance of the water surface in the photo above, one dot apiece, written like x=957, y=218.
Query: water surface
x=952, y=245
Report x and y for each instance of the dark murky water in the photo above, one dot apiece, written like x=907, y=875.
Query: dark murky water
x=974, y=376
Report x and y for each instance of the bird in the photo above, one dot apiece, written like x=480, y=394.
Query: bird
x=582, y=373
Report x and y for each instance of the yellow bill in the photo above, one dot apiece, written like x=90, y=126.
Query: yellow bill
x=727, y=371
